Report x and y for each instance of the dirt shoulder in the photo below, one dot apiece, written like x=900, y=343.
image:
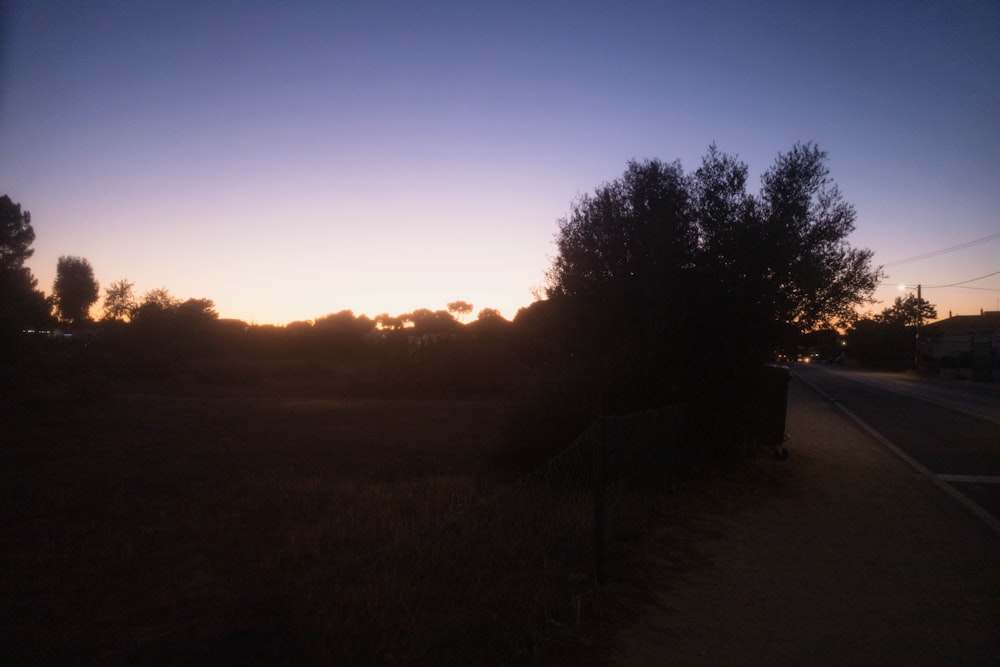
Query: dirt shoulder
x=842, y=555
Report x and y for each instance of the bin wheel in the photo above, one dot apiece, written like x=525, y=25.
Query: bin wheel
x=781, y=453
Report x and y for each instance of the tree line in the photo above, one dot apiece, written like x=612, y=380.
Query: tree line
x=76, y=291
x=679, y=285
x=666, y=286
x=888, y=339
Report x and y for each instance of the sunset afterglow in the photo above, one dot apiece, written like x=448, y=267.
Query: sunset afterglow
x=288, y=161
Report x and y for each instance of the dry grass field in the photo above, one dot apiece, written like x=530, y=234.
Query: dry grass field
x=140, y=525
x=276, y=513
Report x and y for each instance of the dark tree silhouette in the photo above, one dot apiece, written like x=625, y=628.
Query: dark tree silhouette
x=389, y=322
x=16, y=235
x=163, y=326
x=630, y=239
x=490, y=315
x=75, y=289
x=664, y=267
x=119, y=301
x=460, y=309
x=882, y=343
x=779, y=264
x=21, y=303
x=156, y=301
x=198, y=310
x=490, y=326
x=429, y=321
x=195, y=322
x=810, y=272
x=907, y=311
x=343, y=322
x=624, y=265
x=154, y=315
x=889, y=338
x=299, y=327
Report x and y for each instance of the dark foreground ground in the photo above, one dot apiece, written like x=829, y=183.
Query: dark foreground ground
x=841, y=555
x=180, y=528
x=171, y=524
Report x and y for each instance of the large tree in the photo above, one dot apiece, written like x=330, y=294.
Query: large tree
x=632, y=237
x=809, y=269
x=21, y=303
x=159, y=299
x=75, y=289
x=622, y=281
x=664, y=265
x=119, y=301
x=907, y=311
x=779, y=263
x=156, y=308
x=460, y=309
x=16, y=235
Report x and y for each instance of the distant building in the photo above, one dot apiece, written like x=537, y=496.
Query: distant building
x=965, y=346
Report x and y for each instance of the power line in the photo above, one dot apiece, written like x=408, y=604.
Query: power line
x=961, y=284
x=970, y=280
x=942, y=251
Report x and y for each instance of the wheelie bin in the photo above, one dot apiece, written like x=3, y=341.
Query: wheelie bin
x=772, y=408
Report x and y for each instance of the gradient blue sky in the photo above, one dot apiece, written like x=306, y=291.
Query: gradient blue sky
x=289, y=160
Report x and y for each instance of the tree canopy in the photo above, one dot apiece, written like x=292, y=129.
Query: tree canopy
x=21, y=303
x=666, y=264
x=75, y=289
x=119, y=301
x=657, y=231
x=907, y=311
x=155, y=304
x=16, y=235
x=889, y=339
x=813, y=274
x=631, y=237
x=461, y=309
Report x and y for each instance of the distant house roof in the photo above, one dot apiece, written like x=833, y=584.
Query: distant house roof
x=987, y=321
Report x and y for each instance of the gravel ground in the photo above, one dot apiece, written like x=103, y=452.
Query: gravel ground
x=841, y=555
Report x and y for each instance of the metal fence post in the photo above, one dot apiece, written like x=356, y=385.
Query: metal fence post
x=600, y=506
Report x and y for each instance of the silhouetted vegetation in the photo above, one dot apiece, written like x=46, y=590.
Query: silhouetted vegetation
x=889, y=339
x=667, y=286
x=671, y=286
x=461, y=309
x=120, y=303
x=24, y=309
x=75, y=290
x=22, y=304
x=237, y=461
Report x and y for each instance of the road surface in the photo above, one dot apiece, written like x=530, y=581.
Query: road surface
x=949, y=430
x=844, y=554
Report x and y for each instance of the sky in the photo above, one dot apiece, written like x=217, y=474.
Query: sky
x=289, y=160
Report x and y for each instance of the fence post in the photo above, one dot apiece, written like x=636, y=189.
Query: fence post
x=600, y=505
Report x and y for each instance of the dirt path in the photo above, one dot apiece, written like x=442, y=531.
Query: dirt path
x=852, y=559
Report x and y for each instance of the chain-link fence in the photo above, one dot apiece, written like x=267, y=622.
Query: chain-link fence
x=500, y=583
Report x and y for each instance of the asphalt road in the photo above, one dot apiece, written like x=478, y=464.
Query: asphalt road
x=949, y=430
x=841, y=555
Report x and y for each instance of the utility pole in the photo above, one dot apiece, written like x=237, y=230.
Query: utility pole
x=920, y=323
